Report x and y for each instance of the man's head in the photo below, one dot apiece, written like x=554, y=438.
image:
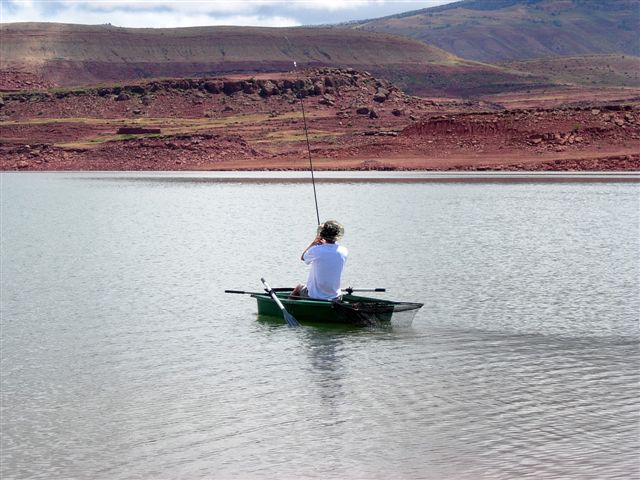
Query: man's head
x=331, y=231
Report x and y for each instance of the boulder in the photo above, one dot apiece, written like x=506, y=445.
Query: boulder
x=249, y=87
x=381, y=95
x=329, y=82
x=231, y=87
x=362, y=110
x=214, y=87
x=267, y=88
x=284, y=85
x=136, y=130
x=137, y=89
x=184, y=84
x=123, y=97
x=373, y=114
x=327, y=100
x=303, y=87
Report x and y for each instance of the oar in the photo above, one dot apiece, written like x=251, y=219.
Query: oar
x=350, y=290
x=290, y=319
x=289, y=289
x=242, y=292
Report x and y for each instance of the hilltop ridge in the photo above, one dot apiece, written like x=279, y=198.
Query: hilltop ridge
x=46, y=55
x=501, y=30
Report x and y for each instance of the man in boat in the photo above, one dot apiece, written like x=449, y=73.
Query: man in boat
x=327, y=259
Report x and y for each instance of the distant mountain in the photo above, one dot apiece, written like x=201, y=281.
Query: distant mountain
x=500, y=30
x=46, y=54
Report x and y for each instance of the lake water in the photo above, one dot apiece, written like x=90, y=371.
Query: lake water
x=121, y=357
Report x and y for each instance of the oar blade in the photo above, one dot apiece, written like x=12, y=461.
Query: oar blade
x=290, y=319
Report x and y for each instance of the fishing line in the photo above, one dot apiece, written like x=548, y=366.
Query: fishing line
x=306, y=134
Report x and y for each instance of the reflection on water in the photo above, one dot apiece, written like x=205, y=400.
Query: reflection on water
x=326, y=367
x=121, y=357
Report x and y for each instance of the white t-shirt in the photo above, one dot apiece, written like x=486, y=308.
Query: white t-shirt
x=327, y=261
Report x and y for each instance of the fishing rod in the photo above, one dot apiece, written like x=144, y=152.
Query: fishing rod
x=306, y=134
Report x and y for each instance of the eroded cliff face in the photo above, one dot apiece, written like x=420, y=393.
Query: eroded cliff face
x=207, y=97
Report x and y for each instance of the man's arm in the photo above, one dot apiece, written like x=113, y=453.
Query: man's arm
x=316, y=241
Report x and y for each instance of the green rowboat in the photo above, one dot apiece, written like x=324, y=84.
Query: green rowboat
x=349, y=309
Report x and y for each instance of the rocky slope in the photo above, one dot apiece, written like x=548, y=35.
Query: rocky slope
x=500, y=30
x=356, y=121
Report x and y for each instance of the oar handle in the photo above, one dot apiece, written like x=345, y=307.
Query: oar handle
x=272, y=293
x=277, y=289
x=351, y=290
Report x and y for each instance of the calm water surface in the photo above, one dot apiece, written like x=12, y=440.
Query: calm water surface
x=122, y=357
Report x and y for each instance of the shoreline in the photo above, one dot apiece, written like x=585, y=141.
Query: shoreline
x=619, y=160
x=347, y=176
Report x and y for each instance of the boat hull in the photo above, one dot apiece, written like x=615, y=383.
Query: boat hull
x=349, y=310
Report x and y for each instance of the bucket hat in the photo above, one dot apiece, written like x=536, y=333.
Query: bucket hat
x=331, y=230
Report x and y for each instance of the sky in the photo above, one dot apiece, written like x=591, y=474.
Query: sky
x=188, y=13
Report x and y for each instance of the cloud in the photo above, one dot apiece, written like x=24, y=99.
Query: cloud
x=184, y=13
x=139, y=14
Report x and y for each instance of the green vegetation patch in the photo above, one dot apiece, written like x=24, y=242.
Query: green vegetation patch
x=296, y=136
